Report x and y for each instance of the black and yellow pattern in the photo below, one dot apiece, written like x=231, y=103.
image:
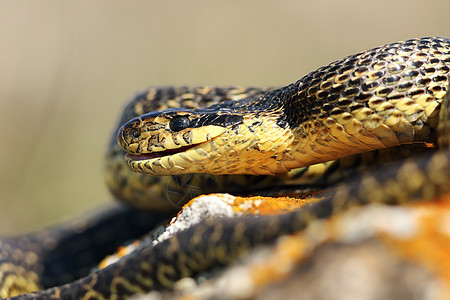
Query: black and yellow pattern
x=384, y=97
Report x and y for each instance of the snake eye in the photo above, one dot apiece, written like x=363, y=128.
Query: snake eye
x=135, y=133
x=179, y=123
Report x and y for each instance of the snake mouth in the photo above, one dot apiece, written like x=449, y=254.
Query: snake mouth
x=153, y=155
x=196, y=149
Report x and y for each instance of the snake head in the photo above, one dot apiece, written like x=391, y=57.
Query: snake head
x=217, y=140
x=166, y=142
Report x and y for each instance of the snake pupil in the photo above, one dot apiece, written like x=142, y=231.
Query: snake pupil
x=179, y=123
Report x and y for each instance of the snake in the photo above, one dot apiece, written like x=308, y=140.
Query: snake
x=230, y=138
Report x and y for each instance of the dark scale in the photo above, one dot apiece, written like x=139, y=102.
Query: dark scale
x=406, y=49
x=331, y=74
x=337, y=89
x=343, y=77
x=354, y=82
x=170, y=93
x=361, y=71
x=321, y=94
x=410, y=74
x=363, y=97
x=440, y=78
x=434, y=89
x=346, y=68
x=368, y=86
x=332, y=98
x=344, y=102
x=404, y=86
x=390, y=80
x=337, y=111
x=376, y=101
x=327, y=107
x=394, y=97
x=350, y=92
x=365, y=62
x=377, y=75
x=415, y=64
x=382, y=56
x=433, y=61
x=414, y=93
x=423, y=47
x=443, y=69
x=355, y=105
x=326, y=85
x=436, y=53
x=428, y=71
x=422, y=81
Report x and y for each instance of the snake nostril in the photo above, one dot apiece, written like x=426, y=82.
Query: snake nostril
x=135, y=133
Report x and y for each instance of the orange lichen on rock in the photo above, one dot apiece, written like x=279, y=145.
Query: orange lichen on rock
x=285, y=256
x=260, y=204
x=121, y=252
x=271, y=205
x=430, y=244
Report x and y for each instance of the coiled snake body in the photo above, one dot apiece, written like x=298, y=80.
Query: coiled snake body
x=380, y=98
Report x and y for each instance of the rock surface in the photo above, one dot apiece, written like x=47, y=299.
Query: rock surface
x=371, y=252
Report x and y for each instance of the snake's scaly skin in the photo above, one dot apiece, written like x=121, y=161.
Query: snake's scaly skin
x=378, y=98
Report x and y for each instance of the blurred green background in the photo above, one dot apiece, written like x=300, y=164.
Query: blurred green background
x=66, y=68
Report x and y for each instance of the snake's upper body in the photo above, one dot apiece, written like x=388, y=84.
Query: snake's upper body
x=380, y=98
x=375, y=99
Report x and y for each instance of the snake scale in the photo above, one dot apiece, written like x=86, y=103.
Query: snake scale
x=380, y=98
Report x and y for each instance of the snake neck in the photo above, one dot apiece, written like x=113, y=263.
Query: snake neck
x=376, y=99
